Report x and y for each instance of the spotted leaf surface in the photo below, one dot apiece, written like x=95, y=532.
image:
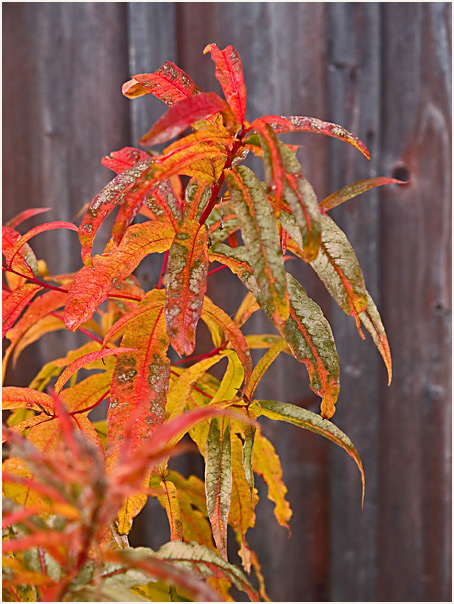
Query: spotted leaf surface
x=261, y=237
x=218, y=480
x=272, y=157
x=371, y=320
x=311, y=124
x=169, y=83
x=93, y=284
x=186, y=282
x=311, y=421
x=229, y=73
x=125, y=158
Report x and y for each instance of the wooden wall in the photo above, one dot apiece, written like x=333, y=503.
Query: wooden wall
x=383, y=71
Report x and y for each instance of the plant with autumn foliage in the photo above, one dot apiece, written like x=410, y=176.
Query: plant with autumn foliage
x=73, y=487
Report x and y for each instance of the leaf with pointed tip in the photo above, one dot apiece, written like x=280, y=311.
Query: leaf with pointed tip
x=198, y=159
x=260, y=234
x=25, y=261
x=169, y=83
x=306, y=331
x=232, y=378
x=20, y=398
x=186, y=283
x=232, y=333
x=20, y=218
x=339, y=269
x=218, y=480
x=313, y=422
x=197, y=196
x=262, y=366
x=180, y=389
x=84, y=360
x=229, y=73
x=34, y=333
x=194, y=515
x=356, y=188
x=170, y=502
x=311, y=124
x=267, y=464
x=372, y=322
x=247, y=308
x=124, y=158
x=241, y=513
x=15, y=302
x=273, y=162
x=93, y=284
x=137, y=397
x=41, y=228
x=182, y=115
x=134, y=183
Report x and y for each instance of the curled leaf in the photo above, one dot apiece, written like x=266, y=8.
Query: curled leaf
x=169, y=83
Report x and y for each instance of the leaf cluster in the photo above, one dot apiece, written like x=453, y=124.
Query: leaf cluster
x=73, y=486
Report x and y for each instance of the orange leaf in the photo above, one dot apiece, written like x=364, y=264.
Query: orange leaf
x=186, y=283
x=169, y=83
x=15, y=303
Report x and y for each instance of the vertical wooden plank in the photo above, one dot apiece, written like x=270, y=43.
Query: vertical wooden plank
x=415, y=473
x=283, y=47
x=354, y=68
x=64, y=64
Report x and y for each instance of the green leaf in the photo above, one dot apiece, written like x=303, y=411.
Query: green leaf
x=260, y=234
x=313, y=422
x=218, y=480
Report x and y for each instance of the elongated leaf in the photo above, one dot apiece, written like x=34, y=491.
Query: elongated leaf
x=20, y=218
x=125, y=158
x=181, y=389
x=197, y=195
x=372, y=322
x=41, y=228
x=232, y=379
x=232, y=333
x=307, y=332
x=241, y=513
x=170, y=501
x=137, y=397
x=261, y=237
x=164, y=204
x=248, y=307
x=169, y=83
x=218, y=480
x=338, y=268
x=267, y=464
x=302, y=200
x=313, y=422
x=262, y=366
x=20, y=398
x=186, y=283
x=272, y=157
x=204, y=160
x=135, y=182
x=229, y=73
x=350, y=191
x=39, y=308
x=15, y=303
x=86, y=360
x=312, y=124
x=182, y=115
x=93, y=284
x=25, y=261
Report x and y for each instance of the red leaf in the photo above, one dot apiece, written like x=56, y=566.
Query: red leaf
x=25, y=261
x=92, y=285
x=169, y=83
x=135, y=181
x=125, y=158
x=85, y=360
x=15, y=303
x=41, y=228
x=186, y=283
x=182, y=115
x=19, y=218
x=26, y=398
x=229, y=73
x=311, y=124
x=274, y=165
